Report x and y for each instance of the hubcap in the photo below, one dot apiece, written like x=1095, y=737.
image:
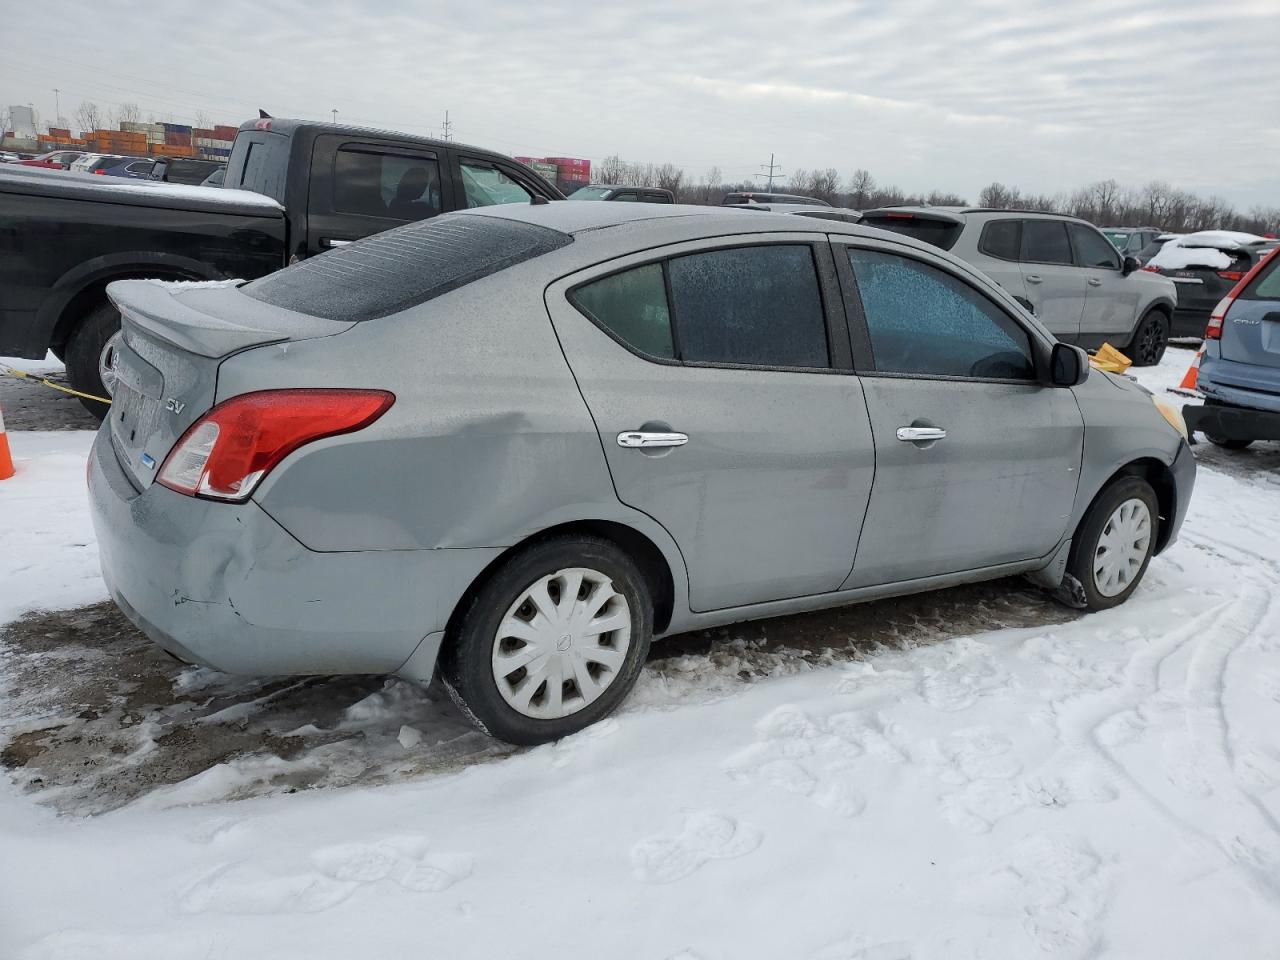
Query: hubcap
x=561, y=644
x=107, y=364
x=1122, y=548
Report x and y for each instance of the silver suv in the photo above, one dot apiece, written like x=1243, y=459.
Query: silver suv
x=521, y=441
x=1062, y=269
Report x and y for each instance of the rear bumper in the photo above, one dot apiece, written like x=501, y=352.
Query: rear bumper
x=1189, y=321
x=226, y=586
x=1232, y=422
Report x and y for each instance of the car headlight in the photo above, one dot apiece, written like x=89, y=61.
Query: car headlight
x=1172, y=414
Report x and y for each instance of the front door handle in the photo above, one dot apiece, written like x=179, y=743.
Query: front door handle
x=331, y=242
x=1033, y=278
x=921, y=434
x=1095, y=282
x=645, y=439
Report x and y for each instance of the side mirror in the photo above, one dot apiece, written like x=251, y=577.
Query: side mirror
x=1068, y=365
x=1131, y=264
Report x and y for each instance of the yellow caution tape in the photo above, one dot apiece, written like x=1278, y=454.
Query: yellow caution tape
x=53, y=386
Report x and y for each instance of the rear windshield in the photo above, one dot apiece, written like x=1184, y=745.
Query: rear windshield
x=1266, y=285
x=401, y=268
x=1117, y=237
x=259, y=162
x=591, y=193
x=941, y=233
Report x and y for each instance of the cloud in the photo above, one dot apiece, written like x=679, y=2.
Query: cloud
x=927, y=93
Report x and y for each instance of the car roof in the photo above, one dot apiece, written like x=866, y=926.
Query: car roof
x=288, y=127
x=957, y=214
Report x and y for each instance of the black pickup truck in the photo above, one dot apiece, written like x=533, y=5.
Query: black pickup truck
x=291, y=189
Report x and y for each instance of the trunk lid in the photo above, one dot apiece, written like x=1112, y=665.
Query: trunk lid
x=173, y=337
x=1251, y=328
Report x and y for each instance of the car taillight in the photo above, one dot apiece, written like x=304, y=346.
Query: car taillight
x=226, y=453
x=1235, y=276
x=1150, y=269
x=1214, y=330
x=101, y=173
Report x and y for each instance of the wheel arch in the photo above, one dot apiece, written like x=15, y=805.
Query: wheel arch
x=1156, y=473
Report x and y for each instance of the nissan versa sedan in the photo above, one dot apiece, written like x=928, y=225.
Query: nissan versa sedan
x=515, y=444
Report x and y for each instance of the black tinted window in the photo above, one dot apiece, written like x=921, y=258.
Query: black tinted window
x=633, y=305
x=259, y=162
x=386, y=185
x=926, y=322
x=1092, y=248
x=1045, y=241
x=753, y=305
x=941, y=233
x=1000, y=239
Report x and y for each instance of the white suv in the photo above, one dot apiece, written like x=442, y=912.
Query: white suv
x=1062, y=269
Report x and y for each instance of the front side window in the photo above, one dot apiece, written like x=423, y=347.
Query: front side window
x=757, y=306
x=487, y=186
x=1092, y=248
x=394, y=186
x=925, y=322
x=1045, y=241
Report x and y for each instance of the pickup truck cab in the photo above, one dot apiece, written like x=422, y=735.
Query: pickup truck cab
x=292, y=189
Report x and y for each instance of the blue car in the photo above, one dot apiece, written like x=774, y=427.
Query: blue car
x=1240, y=369
x=134, y=168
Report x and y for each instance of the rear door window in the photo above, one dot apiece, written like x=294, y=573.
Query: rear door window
x=1045, y=241
x=259, y=162
x=372, y=183
x=925, y=322
x=1092, y=249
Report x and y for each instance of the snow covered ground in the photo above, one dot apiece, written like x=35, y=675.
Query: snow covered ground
x=1101, y=786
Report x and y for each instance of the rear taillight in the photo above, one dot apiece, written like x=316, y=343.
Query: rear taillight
x=1235, y=276
x=1214, y=330
x=1150, y=269
x=227, y=452
x=101, y=173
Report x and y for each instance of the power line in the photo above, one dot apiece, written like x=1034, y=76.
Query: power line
x=446, y=132
x=771, y=167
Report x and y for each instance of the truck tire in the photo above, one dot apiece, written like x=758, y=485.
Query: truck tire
x=1146, y=349
x=84, y=351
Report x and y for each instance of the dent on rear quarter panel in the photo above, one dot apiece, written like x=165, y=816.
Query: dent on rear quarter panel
x=1120, y=426
x=488, y=440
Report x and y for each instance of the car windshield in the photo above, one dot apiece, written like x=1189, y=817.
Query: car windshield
x=1118, y=237
x=591, y=193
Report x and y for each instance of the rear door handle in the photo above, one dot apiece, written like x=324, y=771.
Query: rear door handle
x=1095, y=282
x=919, y=434
x=649, y=439
x=1033, y=278
x=333, y=242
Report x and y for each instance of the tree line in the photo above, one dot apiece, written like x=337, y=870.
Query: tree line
x=1104, y=202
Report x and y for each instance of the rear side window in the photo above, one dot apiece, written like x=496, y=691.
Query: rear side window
x=259, y=162
x=371, y=183
x=1092, y=248
x=1001, y=238
x=1045, y=241
x=943, y=234
x=925, y=322
x=391, y=271
x=755, y=306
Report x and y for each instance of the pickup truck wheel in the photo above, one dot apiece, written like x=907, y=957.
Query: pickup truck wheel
x=1149, y=340
x=84, y=354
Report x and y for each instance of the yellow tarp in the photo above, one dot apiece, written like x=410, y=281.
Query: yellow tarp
x=1110, y=359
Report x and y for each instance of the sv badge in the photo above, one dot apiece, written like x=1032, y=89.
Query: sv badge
x=173, y=405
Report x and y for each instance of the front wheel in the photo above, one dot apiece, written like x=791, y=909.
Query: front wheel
x=1149, y=340
x=1115, y=542
x=552, y=642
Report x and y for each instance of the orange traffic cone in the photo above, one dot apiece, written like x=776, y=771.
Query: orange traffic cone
x=6, y=460
x=1193, y=372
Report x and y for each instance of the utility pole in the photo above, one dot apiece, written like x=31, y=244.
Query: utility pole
x=57, y=107
x=775, y=170
x=446, y=131
x=334, y=111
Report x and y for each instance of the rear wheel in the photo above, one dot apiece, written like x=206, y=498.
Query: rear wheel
x=552, y=642
x=1115, y=542
x=1149, y=340
x=1227, y=443
x=85, y=353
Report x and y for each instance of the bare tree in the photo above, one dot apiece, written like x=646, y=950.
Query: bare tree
x=861, y=185
x=825, y=184
x=203, y=120
x=999, y=196
x=128, y=113
x=669, y=177
x=801, y=182
x=88, y=116
x=609, y=170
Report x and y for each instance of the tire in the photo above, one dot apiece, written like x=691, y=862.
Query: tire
x=470, y=663
x=1098, y=594
x=84, y=351
x=1227, y=443
x=1147, y=347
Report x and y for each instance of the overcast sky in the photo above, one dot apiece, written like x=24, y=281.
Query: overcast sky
x=1043, y=94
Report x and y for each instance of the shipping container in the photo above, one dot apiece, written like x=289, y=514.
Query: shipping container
x=61, y=133
x=223, y=132
x=177, y=128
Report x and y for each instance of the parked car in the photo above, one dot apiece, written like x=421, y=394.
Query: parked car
x=606, y=191
x=189, y=170
x=519, y=442
x=1061, y=268
x=97, y=162
x=299, y=188
x=1132, y=241
x=1205, y=266
x=7, y=156
x=55, y=160
x=131, y=168
x=737, y=197
x=844, y=214
x=1240, y=368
